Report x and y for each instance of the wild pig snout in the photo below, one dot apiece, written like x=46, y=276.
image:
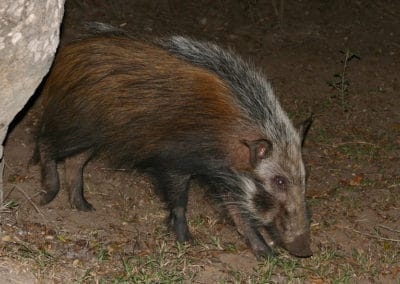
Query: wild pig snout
x=300, y=246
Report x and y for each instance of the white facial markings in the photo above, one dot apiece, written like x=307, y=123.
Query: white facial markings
x=250, y=190
x=286, y=162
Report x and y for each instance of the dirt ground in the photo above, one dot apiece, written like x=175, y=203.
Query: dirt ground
x=337, y=59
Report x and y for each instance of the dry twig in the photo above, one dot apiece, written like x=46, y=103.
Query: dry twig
x=389, y=229
x=373, y=236
x=31, y=202
x=353, y=142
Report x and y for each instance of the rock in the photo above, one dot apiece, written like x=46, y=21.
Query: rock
x=29, y=36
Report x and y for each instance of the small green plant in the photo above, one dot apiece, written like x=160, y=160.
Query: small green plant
x=103, y=254
x=265, y=271
x=341, y=82
x=198, y=220
x=11, y=204
x=359, y=151
x=216, y=241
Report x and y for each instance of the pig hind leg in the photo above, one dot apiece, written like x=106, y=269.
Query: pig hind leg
x=49, y=175
x=175, y=189
x=74, y=180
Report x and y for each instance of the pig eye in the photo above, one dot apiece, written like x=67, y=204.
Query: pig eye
x=280, y=182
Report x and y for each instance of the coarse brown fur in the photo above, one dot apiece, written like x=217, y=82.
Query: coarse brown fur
x=137, y=104
x=191, y=112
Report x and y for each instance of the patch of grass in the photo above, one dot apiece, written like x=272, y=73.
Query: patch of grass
x=359, y=152
x=367, y=182
x=344, y=273
x=230, y=247
x=391, y=253
x=166, y=265
x=282, y=268
x=320, y=264
x=214, y=243
x=149, y=270
x=291, y=267
x=365, y=262
x=326, y=266
x=102, y=255
x=323, y=136
x=44, y=260
x=265, y=271
x=197, y=221
x=347, y=197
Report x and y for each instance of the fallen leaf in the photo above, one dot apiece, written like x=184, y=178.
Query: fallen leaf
x=317, y=281
x=356, y=181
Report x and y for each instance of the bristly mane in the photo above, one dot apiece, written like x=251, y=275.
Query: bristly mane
x=252, y=91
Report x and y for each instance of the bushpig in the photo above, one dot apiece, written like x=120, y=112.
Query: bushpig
x=177, y=109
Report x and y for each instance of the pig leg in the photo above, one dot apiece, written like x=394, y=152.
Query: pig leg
x=178, y=217
x=49, y=175
x=248, y=230
x=175, y=189
x=74, y=180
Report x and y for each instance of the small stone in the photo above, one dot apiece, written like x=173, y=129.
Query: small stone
x=6, y=238
x=76, y=263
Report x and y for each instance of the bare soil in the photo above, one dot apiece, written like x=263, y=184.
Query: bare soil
x=352, y=155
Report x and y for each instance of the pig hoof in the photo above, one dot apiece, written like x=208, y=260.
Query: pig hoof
x=46, y=197
x=262, y=254
x=179, y=225
x=182, y=233
x=82, y=206
x=183, y=237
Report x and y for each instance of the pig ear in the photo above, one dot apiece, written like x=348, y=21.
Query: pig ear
x=304, y=127
x=259, y=150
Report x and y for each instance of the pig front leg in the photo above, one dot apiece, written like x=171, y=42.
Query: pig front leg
x=174, y=188
x=250, y=232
